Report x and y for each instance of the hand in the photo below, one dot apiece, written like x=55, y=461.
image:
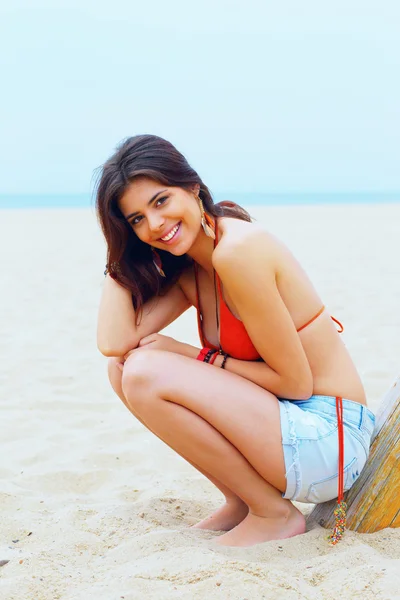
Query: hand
x=156, y=341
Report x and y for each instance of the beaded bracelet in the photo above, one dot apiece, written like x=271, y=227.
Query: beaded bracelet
x=209, y=355
x=226, y=356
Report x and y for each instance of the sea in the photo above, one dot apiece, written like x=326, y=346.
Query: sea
x=34, y=201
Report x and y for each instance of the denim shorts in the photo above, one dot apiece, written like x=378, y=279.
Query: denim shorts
x=311, y=449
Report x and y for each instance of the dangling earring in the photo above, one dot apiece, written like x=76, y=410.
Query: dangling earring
x=206, y=221
x=157, y=262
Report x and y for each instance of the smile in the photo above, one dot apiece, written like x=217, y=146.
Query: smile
x=170, y=236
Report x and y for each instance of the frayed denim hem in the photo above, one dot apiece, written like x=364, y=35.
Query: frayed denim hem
x=291, y=454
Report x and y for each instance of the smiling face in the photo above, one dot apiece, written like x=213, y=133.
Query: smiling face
x=165, y=217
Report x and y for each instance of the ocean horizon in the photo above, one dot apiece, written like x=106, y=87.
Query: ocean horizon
x=37, y=201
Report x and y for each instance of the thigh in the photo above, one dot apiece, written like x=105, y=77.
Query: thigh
x=243, y=412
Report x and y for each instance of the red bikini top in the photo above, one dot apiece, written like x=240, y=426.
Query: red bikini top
x=234, y=339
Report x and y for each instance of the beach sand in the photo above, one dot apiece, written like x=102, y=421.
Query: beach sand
x=93, y=506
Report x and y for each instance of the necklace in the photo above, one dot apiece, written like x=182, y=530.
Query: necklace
x=217, y=312
x=216, y=293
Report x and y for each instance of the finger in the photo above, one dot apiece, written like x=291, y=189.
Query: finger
x=146, y=340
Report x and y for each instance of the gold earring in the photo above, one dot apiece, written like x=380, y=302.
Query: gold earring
x=206, y=222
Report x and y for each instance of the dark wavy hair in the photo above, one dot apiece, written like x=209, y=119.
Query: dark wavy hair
x=129, y=260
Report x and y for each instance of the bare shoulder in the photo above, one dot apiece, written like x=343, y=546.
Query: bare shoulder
x=242, y=241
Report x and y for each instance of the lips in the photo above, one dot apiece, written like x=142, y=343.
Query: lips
x=170, y=234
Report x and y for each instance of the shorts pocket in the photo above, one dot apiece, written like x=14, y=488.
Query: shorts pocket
x=327, y=488
x=364, y=439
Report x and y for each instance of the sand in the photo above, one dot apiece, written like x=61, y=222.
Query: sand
x=92, y=506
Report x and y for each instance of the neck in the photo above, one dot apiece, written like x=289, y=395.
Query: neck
x=201, y=252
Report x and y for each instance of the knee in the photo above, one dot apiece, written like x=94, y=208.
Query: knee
x=138, y=367
x=139, y=376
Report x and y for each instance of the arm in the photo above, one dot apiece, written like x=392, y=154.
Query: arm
x=256, y=371
x=248, y=270
x=117, y=332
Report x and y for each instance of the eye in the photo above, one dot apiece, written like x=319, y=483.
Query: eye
x=139, y=218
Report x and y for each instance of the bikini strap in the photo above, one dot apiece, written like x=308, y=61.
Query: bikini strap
x=316, y=317
x=311, y=320
x=338, y=323
x=216, y=274
x=197, y=285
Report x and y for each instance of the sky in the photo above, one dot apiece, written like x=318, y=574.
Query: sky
x=260, y=96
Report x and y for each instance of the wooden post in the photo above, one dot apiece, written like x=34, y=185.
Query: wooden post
x=373, y=502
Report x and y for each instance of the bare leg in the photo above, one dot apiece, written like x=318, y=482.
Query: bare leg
x=229, y=514
x=230, y=428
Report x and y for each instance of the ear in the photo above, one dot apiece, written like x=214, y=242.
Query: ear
x=196, y=188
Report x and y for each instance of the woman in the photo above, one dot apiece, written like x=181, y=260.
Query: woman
x=256, y=413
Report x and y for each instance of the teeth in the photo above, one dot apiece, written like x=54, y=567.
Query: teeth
x=171, y=234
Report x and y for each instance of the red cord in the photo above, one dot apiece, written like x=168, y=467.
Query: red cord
x=339, y=413
x=340, y=510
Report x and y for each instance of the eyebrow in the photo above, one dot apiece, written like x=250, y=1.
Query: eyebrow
x=148, y=204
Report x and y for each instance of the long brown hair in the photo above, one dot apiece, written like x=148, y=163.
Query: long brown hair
x=129, y=260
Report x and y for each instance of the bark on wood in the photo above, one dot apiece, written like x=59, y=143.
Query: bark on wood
x=374, y=500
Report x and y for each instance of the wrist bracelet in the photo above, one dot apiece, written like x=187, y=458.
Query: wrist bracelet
x=213, y=357
x=208, y=355
x=226, y=356
x=202, y=354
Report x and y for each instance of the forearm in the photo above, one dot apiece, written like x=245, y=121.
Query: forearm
x=261, y=374
x=116, y=329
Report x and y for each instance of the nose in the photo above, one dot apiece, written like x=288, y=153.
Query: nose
x=155, y=222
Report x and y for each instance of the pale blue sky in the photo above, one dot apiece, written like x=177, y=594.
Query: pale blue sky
x=260, y=96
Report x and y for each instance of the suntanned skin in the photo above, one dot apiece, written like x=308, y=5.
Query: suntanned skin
x=225, y=422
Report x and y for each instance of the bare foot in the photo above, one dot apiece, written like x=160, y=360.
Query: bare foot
x=255, y=530
x=225, y=518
